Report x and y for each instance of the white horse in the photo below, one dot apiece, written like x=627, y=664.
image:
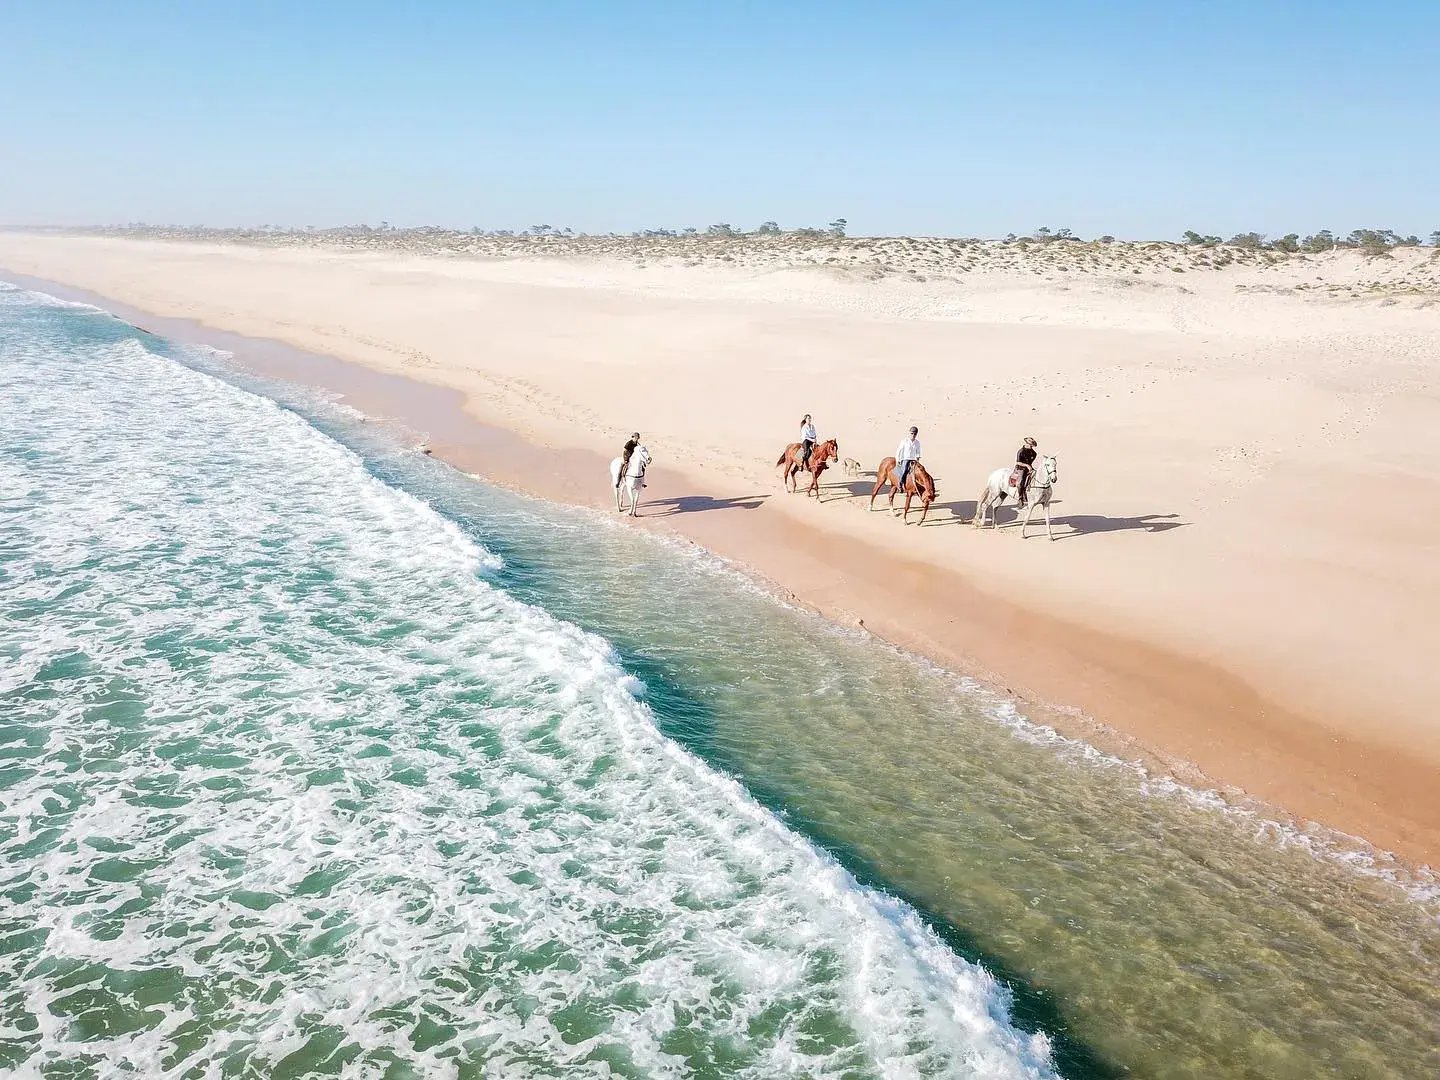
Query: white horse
x=634, y=479
x=1042, y=488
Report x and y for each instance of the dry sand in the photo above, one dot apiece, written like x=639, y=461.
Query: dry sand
x=1248, y=516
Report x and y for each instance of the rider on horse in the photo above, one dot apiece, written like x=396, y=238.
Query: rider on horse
x=906, y=455
x=807, y=440
x=1024, y=466
x=625, y=453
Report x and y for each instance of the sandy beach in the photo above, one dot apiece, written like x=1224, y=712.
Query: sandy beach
x=1247, y=555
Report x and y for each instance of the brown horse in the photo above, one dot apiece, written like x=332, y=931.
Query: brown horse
x=919, y=482
x=789, y=461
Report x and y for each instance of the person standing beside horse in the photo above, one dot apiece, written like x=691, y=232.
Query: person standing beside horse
x=625, y=452
x=1024, y=466
x=807, y=440
x=907, y=454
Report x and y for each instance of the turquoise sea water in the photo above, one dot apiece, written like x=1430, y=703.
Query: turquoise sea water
x=318, y=757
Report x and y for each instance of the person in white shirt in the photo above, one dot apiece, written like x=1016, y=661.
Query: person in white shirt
x=906, y=454
x=807, y=440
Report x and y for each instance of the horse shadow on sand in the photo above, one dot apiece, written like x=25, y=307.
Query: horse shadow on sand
x=1069, y=526
x=1084, y=524
x=962, y=512
x=695, y=504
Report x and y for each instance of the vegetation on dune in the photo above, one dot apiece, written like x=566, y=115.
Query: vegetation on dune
x=1045, y=252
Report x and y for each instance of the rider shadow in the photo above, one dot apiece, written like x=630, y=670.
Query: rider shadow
x=1081, y=524
x=694, y=504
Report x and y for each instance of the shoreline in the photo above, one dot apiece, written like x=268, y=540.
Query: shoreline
x=1167, y=706
x=1126, y=697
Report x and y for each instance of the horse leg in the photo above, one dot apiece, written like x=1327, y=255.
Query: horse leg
x=1048, y=531
x=879, y=483
x=924, y=509
x=906, y=516
x=1029, y=509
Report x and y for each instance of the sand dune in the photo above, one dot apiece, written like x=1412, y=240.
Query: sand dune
x=1248, y=513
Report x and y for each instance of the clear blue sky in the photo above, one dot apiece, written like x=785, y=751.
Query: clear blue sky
x=1134, y=118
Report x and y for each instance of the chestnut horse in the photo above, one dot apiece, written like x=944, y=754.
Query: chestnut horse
x=827, y=451
x=919, y=482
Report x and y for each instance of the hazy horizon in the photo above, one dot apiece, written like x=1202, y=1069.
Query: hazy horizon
x=918, y=120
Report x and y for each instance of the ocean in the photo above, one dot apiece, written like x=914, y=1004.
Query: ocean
x=319, y=757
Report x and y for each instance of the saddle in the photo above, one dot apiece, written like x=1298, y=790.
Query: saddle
x=1017, y=474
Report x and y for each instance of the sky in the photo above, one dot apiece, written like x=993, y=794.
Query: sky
x=1137, y=119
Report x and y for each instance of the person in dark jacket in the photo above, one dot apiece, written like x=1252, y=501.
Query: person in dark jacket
x=625, y=453
x=1025, y=465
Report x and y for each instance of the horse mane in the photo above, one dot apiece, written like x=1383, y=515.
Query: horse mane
x=934, y=488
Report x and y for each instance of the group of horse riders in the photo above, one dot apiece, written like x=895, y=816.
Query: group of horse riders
x=907, y=454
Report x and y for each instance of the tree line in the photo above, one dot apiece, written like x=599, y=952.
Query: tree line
x=835, y=230
x=1369, y=241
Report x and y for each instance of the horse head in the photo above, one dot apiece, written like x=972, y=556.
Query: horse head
x=830, y=450
x=1052, y=469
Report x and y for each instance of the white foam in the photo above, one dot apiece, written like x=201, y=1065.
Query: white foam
x=43, y=299
x=328, y=684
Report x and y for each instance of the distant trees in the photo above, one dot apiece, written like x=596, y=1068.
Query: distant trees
x=1375, y=243
x=723, y=229
x=1435, y=238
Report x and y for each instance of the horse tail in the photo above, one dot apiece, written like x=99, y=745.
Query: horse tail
x=781, y=459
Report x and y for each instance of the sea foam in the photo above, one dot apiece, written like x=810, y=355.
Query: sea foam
x=295, y=785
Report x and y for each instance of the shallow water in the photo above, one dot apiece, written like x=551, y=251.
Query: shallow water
x=318, y=756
